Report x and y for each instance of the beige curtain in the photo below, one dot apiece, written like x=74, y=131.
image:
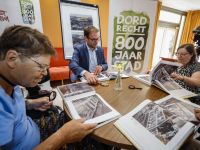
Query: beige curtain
x=154, y=34
x=192, y=21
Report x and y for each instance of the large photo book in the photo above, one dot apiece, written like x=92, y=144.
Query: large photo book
x=113, y=75
x=104, y=76
x=160, y=77
x=100, y=77
x=164, y=124
x=82, y=101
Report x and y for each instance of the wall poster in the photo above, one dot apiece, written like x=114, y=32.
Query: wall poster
x=131, y=25
x=20, y=12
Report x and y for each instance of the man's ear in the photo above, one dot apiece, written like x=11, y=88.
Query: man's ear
x=11, y=58
x=85, y=38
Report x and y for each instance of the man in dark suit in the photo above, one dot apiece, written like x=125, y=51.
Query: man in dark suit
x=88, y=58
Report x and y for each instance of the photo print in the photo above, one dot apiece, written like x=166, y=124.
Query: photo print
x=79, y=21
x=90, y=107
x=75, y=89
x=163, y=124
x=181, y=109
x=162, y=73
x=97, y=75
x=78, y=38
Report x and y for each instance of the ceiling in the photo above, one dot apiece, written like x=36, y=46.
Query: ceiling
x=183, y=5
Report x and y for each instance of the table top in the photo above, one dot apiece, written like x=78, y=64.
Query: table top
x=123, y=101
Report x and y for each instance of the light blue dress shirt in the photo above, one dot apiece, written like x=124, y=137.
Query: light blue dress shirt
x=92, y=60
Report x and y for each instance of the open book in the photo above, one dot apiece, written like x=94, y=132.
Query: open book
x=82, y=101
x=113, y=75
x=100, y=77
x=104, y=76
x=160, y=78
x=161, y=125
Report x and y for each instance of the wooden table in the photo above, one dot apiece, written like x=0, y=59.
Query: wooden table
x=123, y=101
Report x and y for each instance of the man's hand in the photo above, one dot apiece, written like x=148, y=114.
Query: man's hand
x=92, y=79
x=75, y=130
x=97, y=70
x=41, y=104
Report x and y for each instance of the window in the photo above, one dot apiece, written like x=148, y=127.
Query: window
x=169, y=17
x=169, y=33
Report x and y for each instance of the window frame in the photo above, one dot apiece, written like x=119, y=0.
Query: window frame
x=171, y=25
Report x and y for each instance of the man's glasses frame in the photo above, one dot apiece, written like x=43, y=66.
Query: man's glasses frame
x=42, y=67
x=98, y=39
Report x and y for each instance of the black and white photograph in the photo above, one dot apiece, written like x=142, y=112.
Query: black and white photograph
x=90, y=107
x=182, y=109
x=162, y=73
x=97, y=75
x=167, y=70
x=75, y=89
x=163, y=124
x=78, y=38
x=79, y=21
x=106, y=74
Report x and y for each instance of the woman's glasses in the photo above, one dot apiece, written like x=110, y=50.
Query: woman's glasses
x=181, y=54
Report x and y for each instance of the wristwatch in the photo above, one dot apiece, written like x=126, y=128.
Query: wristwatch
x=101, y=66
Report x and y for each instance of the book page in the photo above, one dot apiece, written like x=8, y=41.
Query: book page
x=161, y=76
x=93, y=107
x=113, y=75
x=149, y=123
x=145, y=78
x=100, y=77
x=76, y=89
x=180, y=107
x=163, y=69
x=171, y=87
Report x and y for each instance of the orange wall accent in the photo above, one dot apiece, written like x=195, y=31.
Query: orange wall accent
x=51, y=20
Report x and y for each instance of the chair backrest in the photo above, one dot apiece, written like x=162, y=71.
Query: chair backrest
x=60, y=58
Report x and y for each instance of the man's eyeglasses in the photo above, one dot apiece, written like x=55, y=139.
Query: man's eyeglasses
x=42, y=67
x=98, y=39
x=181, y=54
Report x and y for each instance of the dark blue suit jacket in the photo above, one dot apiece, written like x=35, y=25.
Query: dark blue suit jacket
x=80, y=59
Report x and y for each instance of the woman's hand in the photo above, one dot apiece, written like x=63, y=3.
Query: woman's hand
x=176, y=76
x=70, y=132
x=75, y=130
x=41, y=104
x=147, y=72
